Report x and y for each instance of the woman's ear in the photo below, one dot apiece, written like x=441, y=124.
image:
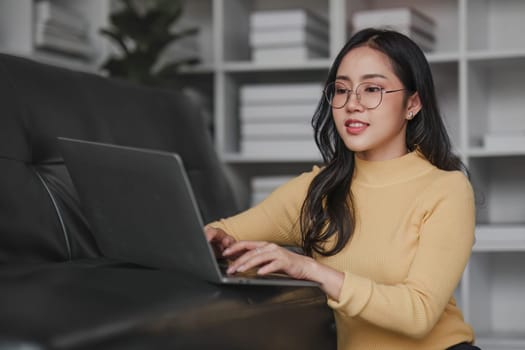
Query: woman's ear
x=413, y=106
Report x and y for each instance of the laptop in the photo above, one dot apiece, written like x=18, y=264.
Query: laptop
x=142, y=210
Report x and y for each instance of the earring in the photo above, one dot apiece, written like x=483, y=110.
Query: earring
x=410, y=115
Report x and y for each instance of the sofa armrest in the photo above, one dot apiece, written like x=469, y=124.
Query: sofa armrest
x=98, y=304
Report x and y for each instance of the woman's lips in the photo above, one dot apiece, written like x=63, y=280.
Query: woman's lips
x=355, y=127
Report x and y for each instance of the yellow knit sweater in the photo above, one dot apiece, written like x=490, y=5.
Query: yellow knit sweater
x=413, y=237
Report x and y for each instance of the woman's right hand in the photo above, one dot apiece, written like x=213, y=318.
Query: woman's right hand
x=219, y=239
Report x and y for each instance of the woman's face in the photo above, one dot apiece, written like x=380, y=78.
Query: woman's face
x=379, y=133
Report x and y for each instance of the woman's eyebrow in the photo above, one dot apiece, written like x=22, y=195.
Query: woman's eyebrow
x=342, y=77
x=371, y=76
x=363, y=77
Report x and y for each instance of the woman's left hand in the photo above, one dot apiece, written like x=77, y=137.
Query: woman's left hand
x=270, y=257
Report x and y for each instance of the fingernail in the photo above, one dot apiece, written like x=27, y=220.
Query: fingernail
x=226, y=251
x=241, y=268
x=230, y=270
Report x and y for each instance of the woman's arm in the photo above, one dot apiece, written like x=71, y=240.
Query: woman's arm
x=275, y=219
x=414, y=305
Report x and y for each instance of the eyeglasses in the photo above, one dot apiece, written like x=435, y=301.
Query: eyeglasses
x=368, y=95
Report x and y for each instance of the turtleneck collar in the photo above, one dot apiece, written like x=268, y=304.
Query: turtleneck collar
x=392, y=171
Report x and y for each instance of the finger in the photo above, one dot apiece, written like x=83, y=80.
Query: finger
x=210, y=232
x=274, y=266
x=250, y=259
x=242, y=246
x=227, y=241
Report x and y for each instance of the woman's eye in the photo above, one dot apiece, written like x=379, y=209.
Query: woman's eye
x=340, y=91
x=371, y=89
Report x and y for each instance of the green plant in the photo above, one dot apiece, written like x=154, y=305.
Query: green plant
x=141, y=30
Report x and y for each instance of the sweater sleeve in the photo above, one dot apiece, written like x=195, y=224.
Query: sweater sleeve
x=276, y=218
x=446, y=237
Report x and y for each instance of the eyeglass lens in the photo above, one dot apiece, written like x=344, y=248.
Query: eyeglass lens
x=368, y=95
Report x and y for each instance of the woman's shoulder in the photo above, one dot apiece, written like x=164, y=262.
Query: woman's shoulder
x=452, y=182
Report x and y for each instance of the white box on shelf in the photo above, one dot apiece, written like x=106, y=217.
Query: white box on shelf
x=285, y=37
x=292, y=112
x=254, y=94
x=286, y=54
x=291, y=18
x=511, y=140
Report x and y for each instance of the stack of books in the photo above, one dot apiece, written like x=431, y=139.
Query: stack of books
x=287, y=35
x=414, y=24
x=276, y=119
x=262, y=186
x=59, y=29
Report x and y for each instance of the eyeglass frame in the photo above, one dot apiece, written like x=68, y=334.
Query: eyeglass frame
x=349, y=92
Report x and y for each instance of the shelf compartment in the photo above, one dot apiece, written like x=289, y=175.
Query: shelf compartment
x=231, y=110
x=495, y=99
x=235, y=22
x=495, y=24
x=499, y=190
x=496, y=304
x=444, y=13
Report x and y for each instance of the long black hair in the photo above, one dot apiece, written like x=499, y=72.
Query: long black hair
x=328, y=208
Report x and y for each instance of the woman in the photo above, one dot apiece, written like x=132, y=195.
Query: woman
x=387, y=224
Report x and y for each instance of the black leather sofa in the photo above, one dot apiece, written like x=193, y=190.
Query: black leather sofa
x=57, y=291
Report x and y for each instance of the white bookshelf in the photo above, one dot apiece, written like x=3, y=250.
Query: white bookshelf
x=478, y=70
x=478, y=66
x=17, y=32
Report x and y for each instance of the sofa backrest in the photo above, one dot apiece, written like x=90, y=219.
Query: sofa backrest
x=40, y=214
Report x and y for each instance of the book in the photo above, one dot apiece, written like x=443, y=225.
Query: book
x=288, y=38
x=296, y=112
x=49, y=12
x=54, y=29
x=280, y=93
x=276, y=130
x=291, y=18
x=49, y=41
x=280, y=148
x=404, y=16
x=286, y=54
